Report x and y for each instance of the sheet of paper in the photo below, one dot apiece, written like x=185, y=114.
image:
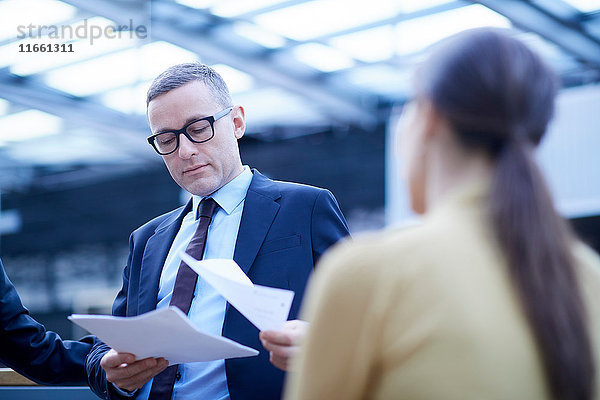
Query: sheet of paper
x=165, y=332
x=267, y=308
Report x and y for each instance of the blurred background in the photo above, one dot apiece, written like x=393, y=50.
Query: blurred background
x=318, y=79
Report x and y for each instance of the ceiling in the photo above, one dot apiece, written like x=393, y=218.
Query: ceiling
x=296, y=65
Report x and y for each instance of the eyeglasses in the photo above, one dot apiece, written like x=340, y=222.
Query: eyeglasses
x=198, y=131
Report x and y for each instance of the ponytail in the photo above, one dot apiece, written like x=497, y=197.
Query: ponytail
x=536, y=241
x=498, y=96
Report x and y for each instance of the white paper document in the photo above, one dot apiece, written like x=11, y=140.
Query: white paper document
x=165, y=332
x=266, y=307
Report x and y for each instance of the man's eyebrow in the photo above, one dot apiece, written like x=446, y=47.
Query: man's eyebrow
x=195, y=118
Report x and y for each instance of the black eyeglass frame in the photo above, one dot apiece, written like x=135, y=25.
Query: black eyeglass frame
x=183, y=131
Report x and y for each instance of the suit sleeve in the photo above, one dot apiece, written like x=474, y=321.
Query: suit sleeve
x=96, y=375
x=328, y=225
x=29, y=349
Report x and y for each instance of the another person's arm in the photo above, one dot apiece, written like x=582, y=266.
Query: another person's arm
x=29, y=349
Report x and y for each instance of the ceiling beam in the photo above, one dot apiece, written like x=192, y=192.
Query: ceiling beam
x=342, y=107
x=563, y=33
x=78, y=112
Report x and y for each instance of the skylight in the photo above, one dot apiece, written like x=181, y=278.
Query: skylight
x=197, y=3
x=416, y=34
x=408, y=6
x=233, y=8
x=264, y=107
x=237, y=81
x=322, y=57
x=585, y=5
x=24, y=13
x=4, y=106
x=258, y=35
x=27, y=125
x=316, y=18
x=117, y=70
x=129, y=100
x=382, y=79
x=370, y=45
x=32, y=63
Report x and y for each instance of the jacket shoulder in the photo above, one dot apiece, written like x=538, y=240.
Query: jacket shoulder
x=154, y=224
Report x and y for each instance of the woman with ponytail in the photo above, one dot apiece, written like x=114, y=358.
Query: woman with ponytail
x=492, y=296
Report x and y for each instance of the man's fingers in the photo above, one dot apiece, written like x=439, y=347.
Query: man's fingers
x=138, y=380
x=129, y=370
x=126, y=373
x=281, y=351
x=277, y=337
x=113, y=359
x=280, y=362
x=291, y=333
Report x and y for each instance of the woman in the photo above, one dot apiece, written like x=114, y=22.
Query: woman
x=491, y=297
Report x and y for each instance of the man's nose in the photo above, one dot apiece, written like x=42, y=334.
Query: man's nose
x=187, y=148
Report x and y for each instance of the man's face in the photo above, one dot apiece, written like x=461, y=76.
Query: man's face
x=199, y=168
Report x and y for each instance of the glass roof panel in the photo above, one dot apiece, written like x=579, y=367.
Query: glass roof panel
x=27, y=125
x=263, y=107
x=548, y=51
x=32, y=63
x=75, y=147
x=8, y=54
x=129, y=100
x=383, y=79
x=370, y=45
x=322, y=57
x=315, y=18
x=585, y=5
x=258, y=35
x=26, y=16
x=233, y=8
x=160, y=55
x=416, y=34
x=197, y=3
x=408, y=6
x=4, y=106
x=117, y=70
x=237, y=81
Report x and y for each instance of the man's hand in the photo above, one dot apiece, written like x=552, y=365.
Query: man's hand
x=126, y=373
x=284, y=344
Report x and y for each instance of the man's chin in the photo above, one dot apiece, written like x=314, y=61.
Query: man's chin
x=200, y=190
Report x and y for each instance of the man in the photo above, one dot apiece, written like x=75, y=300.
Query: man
x=275, y=231
x=29, y=349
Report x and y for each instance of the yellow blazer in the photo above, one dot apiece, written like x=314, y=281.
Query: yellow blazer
x=426, y=313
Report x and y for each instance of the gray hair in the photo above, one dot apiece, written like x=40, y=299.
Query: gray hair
x=180, y=74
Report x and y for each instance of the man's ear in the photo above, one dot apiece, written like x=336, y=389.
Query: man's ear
x=239, y=121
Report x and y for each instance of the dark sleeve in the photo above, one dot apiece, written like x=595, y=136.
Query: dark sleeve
x=29, y=349
x=96, y=375
x=328, y=225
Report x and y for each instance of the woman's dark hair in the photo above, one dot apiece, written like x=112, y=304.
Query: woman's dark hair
x=498, y=96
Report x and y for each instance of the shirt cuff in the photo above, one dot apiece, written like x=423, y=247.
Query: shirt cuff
x=122, y=392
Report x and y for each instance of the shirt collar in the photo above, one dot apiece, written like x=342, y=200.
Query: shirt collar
x=231, y=195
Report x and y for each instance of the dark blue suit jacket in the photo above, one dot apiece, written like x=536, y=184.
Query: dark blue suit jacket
x=29, y=349
x=285, y=228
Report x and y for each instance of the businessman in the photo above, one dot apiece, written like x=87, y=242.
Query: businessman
x=29, y=349
x=275, y=231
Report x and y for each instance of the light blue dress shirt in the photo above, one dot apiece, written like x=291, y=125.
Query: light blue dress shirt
x=205, y=380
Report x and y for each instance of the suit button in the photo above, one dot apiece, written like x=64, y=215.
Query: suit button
x=177, y=376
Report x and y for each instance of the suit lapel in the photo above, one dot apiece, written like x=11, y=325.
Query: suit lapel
x=155, y=254
x=260, y=209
